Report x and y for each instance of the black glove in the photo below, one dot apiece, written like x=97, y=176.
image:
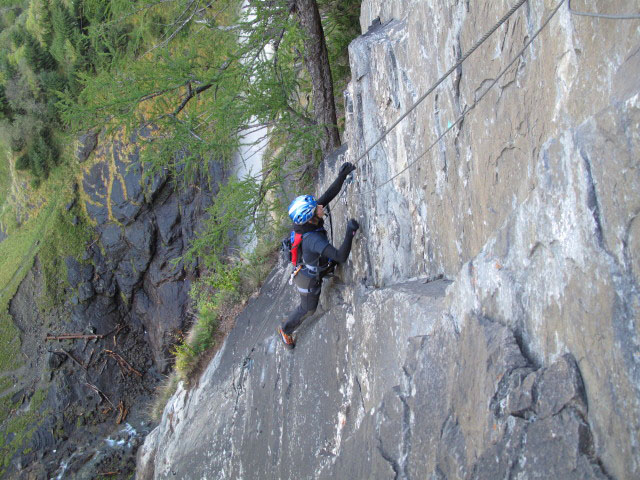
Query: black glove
x=346, y=169
x=352, y=225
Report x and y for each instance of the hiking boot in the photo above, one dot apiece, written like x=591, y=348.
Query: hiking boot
x=286, y=339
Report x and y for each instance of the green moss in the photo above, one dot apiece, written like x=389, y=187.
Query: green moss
x=5, y=383
x=49, y=233
x=21, y=427
x=65, y=239
x=10, y=356
x=37, y=400
x=47, y=228
x=5, y=177
x=6, y=406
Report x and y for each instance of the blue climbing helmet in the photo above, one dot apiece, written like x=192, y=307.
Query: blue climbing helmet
x=302, y=209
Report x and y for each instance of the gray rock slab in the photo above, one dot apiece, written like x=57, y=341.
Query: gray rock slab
x=341, y=406
x=527, y=365
x=87, y=143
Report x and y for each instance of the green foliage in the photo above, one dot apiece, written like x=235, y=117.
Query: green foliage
x=203, y=87
x=5, y=180
x=21, y=427
x=218, y=295
x=44, y=49
x=38, y=21
x=232, y=214
x=36, y=56
x=65, y=239
x=163, y=394
x=41, y=157
x=341, y=23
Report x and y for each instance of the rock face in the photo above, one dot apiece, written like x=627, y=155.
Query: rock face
x=132, y=292
x=523, y=359
x=144, y=226
x=380, y=385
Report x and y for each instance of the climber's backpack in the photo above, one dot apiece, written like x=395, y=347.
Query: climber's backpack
x=291, y=247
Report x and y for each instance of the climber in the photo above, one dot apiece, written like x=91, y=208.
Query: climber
x=318, y=255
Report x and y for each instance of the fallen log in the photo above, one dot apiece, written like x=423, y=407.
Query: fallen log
x=72, y=336
x=124, y=365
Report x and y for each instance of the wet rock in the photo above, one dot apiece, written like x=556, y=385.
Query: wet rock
x=86, y=145
x=102, y=314
x=153, y=184
x=164, y=267
x=85, y=291
x=131, y=172
x=164, y=318
x=42, y=439
x=167, y=218
x=18, y=397
x=140, y=236
x=122, y=209
x=127, y=276
x=78, y=272
x=93, y=185
x=111, y=240
x=55, y=360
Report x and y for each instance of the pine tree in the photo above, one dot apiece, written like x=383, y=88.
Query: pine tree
x=64, y=26
x=23, y=162
x=5, y=109
x=38, y=21
x=38, y=58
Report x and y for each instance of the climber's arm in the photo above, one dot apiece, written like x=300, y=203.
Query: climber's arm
x=336, y=186
x=340, y=255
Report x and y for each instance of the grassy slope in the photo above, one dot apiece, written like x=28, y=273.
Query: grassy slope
x=49, y=234
x=5, y=178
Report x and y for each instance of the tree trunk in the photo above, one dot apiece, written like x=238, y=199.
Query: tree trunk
x=317, y=62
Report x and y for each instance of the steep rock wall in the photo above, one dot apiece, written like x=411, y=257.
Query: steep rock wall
x=526, y=364
x=537, y=190
x=129, y=288
x=144, y=225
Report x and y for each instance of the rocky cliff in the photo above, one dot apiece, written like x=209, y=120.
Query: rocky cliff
x=486, y=325
x=130, y=291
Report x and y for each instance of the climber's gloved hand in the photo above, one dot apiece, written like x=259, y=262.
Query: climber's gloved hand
x=346, y=169
x=353, y=226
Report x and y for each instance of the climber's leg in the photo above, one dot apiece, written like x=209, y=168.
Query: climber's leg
x=308, y=305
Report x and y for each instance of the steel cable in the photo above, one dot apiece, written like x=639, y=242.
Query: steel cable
x=443, y=77
x=632, y=16
x=475, y=103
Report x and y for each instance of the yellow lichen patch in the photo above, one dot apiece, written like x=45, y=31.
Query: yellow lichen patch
x=84, y=198
x=116, y=145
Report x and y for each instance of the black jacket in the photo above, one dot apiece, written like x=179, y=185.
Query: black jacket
x=316, y=248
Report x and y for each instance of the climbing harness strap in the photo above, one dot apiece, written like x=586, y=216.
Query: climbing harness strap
x=306, y=290
x=315, y=270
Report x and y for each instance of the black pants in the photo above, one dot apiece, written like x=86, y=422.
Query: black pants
x=308, y=301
